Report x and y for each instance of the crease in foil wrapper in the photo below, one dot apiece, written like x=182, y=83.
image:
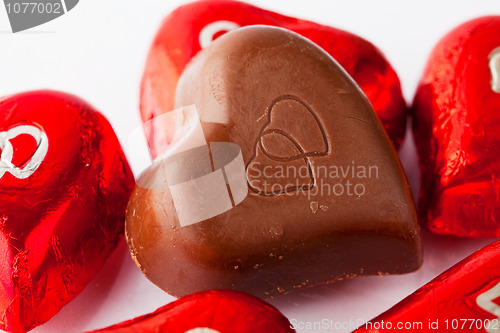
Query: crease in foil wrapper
x=204, y=179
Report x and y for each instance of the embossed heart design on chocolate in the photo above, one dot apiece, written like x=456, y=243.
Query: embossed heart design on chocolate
x=293, y=133
x=64, y=188
x=195, y=25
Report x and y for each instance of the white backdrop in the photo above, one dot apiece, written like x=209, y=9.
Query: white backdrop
x=97, y=51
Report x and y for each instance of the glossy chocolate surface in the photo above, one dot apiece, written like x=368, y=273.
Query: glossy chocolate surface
x=327, y=197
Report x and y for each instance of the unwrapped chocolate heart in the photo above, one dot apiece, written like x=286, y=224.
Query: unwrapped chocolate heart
x=457, y=132
x=213, y=311
x=193, y=26
x=64, y=186
x=297, y=118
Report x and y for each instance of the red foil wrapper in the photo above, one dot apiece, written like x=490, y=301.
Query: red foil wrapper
x=465, y=298
x=193, y=26
x=457, y=133
x=64, y=187
x=213, y=311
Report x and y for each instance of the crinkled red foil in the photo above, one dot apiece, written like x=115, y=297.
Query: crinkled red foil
x=177, y=42
x=457, y=133
x=225, y=311
x=465, y=298
x=57, y=226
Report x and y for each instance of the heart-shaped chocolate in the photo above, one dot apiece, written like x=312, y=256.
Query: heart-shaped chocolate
x=212, y=311
x=358, y=218
x=64, y=184
x=457, y=132
x=194, y=26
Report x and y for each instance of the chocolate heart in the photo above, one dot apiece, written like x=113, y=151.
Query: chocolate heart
x=62, y=202
x=456, y=132
x=213, y=311
x=465, y=298
x=194, y=26
x=357, y=219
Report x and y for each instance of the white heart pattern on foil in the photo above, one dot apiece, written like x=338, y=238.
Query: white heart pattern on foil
x=202, y=330
x=42, y=146
x=207, y=34
x=494, y=62
x=485, y=302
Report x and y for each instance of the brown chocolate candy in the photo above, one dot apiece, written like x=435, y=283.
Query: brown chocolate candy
x=327, y=197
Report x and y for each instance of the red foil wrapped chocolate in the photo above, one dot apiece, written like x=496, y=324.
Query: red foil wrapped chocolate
x=213, y=311
x=193, y=26
x=457, y=132
x=465, y=298
x=64, y=187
